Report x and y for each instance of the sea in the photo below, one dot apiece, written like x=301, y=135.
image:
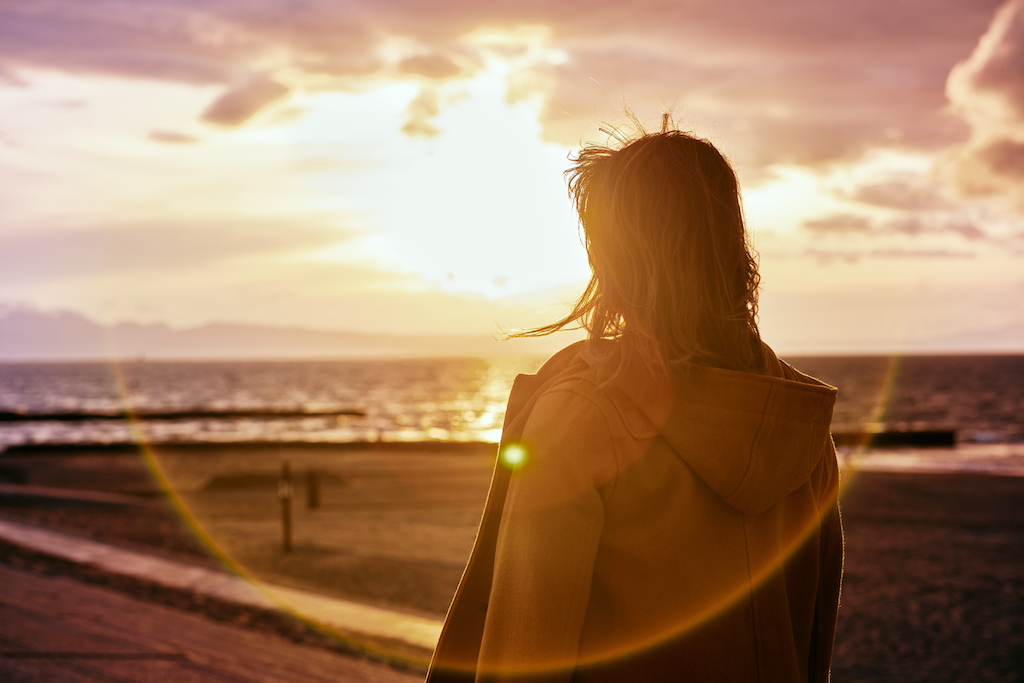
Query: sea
x=980, y=398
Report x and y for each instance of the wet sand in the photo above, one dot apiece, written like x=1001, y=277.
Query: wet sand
x=394, y=526
x=932, y=591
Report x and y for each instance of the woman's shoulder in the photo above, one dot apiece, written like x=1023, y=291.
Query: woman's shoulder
x=571, y=436
x=578, y=391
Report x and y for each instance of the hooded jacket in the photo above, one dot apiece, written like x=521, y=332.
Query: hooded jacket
x=681, y=529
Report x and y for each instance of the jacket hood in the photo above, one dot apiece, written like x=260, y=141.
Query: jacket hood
x=753, y=439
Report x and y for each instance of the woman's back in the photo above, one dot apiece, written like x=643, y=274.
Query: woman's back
x=669, y=531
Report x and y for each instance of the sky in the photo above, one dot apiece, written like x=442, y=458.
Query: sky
x=397, y=167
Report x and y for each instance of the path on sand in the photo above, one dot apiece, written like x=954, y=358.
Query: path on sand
x=57, y=629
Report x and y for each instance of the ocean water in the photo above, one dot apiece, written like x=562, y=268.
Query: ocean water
x=981, y=398
x=460, y=399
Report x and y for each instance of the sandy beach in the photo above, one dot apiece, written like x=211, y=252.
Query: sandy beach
x=932, y=587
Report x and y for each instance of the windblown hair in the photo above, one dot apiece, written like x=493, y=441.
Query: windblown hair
x=674, y=279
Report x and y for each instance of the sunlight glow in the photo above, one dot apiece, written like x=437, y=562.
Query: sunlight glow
x=428, y=199
x=480, y=206
x=792, y=195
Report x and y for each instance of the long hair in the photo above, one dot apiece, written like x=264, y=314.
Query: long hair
x=674, y=279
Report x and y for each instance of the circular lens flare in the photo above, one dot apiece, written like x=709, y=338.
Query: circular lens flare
x=297, y=604
x=514, y=455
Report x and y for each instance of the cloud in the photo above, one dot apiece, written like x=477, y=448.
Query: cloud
x=919, y=253
x=789, y=81
x=839, y=223
x=965, y=229
x=794, y=80
x=908, y=223
x=898, y=194
x=239, y=104
x=987, y=91
x=826, y=256
x=160, y=40
x=10, y=79
x=998, y=62
x=420, y=112
x=171, y=137
x=1004, y=157
x=54, y=254
x=915, y=226
x=432, y=65
x=191, y=41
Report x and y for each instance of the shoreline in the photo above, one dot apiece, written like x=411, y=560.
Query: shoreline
x=994, y=458
x=132, y=448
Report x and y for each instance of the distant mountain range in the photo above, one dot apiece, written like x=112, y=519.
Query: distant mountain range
x=31, y=335
x=28, y=335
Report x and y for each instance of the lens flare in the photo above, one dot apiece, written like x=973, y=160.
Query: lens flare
x=514, y=455
x=293, y=603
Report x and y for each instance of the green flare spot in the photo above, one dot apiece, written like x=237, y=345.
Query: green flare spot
x=513, y=455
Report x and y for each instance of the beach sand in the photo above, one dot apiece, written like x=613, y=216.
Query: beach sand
x=394, y=526
x=932, y=591
x=933, y=587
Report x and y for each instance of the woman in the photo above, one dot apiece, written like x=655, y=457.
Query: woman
x=664, y=506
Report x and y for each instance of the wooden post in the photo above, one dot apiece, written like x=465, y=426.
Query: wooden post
x=284, y=492
x=312, y=489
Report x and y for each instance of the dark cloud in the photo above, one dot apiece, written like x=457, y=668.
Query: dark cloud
x=826, y=256
x=1004, y=157
x=429, y=65
x=839, y=223
x=56, y=254
x=162, y=40
x=792, y=80
x=987, y=91
x=171, y=137
x=909, y=223
x=919, y=253
x=194, y=41
x=788, y=81
x=239, y=104
x=966, y=230
x=1002, y=71
x=897, y=194
x=916, y=226
x=763, y=109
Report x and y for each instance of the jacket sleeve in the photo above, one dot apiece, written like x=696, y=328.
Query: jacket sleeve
x=826, y=608
x=547, y=543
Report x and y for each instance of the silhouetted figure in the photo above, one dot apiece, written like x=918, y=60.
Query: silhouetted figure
x=664, y=506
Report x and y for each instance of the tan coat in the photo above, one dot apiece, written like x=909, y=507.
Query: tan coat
x=656, y=531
